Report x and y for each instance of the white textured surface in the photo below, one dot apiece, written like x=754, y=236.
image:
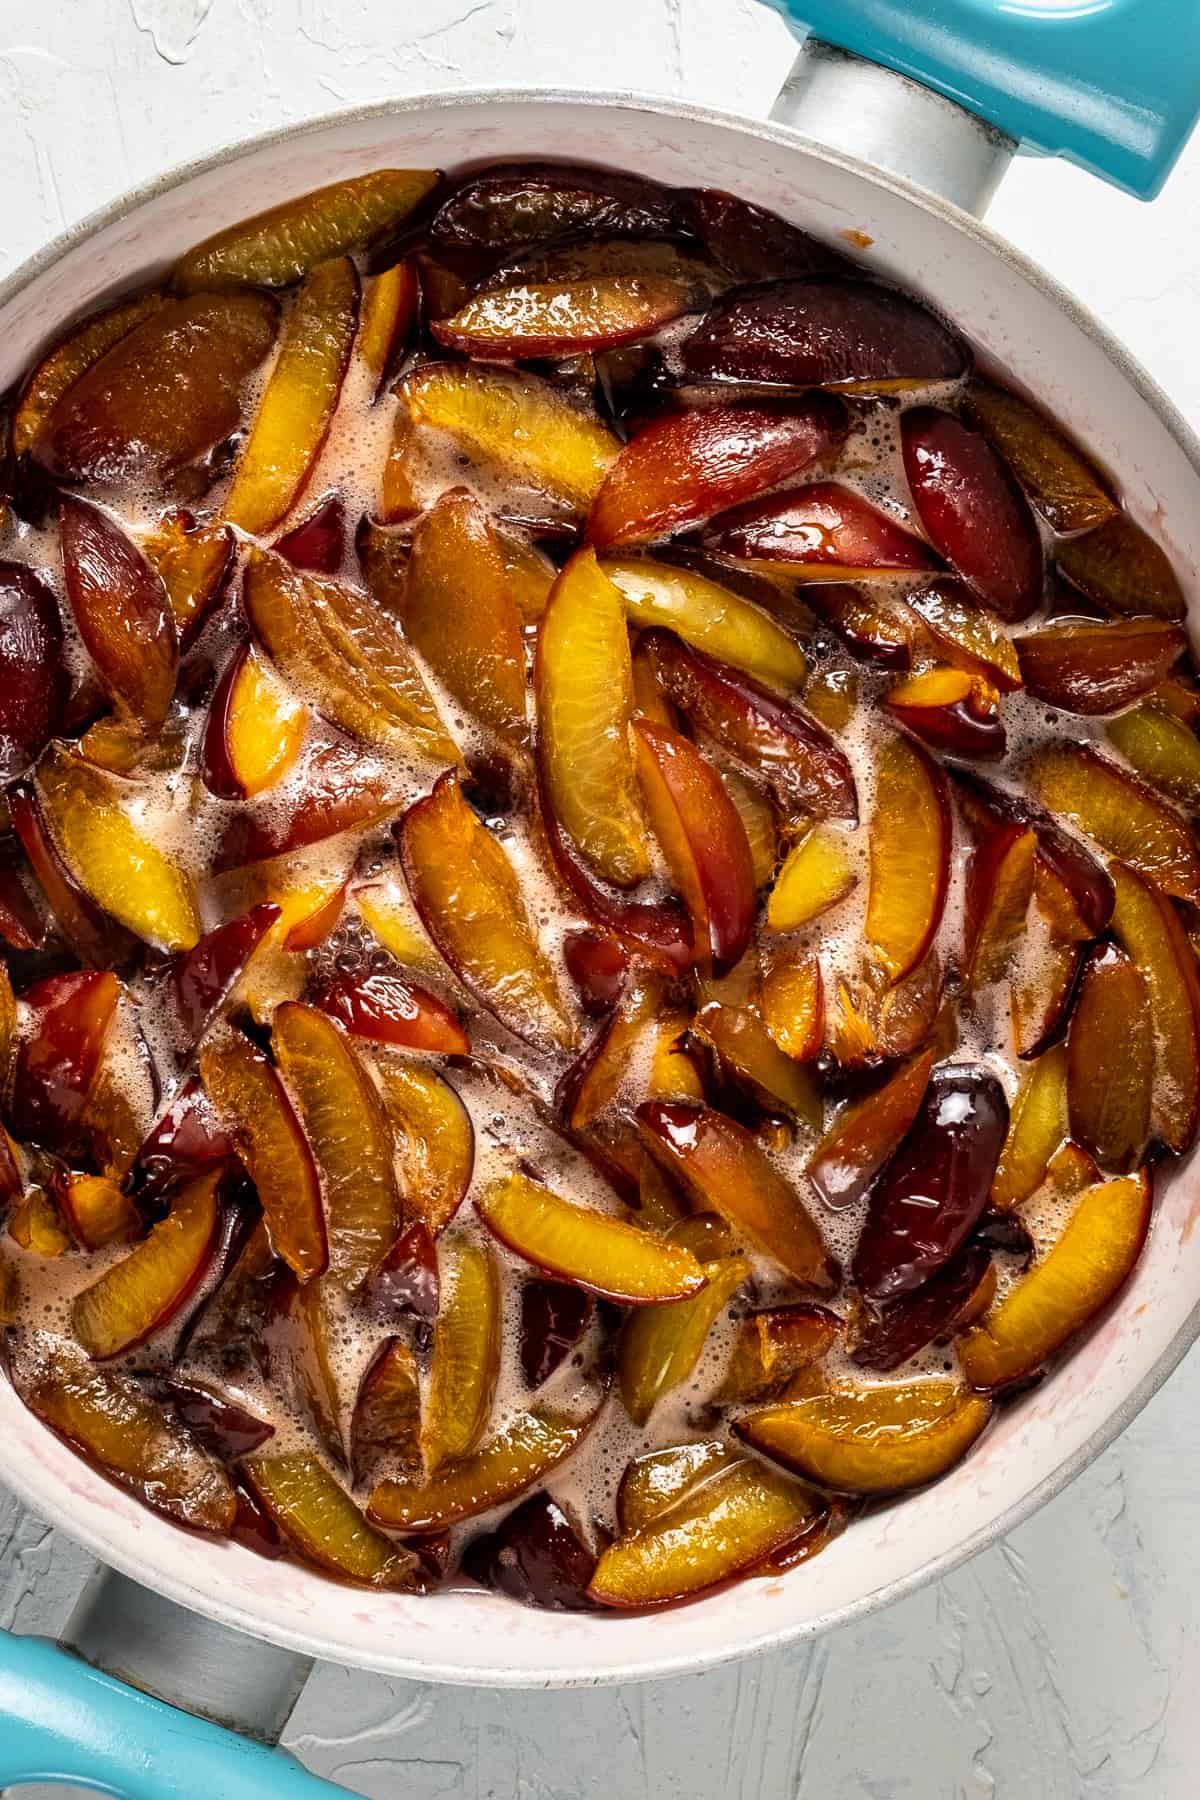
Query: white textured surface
x=1060, y=1664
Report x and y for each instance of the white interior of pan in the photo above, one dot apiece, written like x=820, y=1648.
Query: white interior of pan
x=1006, y=310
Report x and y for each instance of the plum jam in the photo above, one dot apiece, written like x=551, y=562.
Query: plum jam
x=598, y=887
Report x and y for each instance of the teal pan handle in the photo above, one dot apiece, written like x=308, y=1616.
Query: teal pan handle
x=61, y=1720
x=1113, y=85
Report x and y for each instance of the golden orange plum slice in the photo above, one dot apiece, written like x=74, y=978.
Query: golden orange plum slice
x=654, y=1481
x=998, y=890
x=278, y=247
x=124, y=616
x=723, y=1526
x=323, y=1525
x=750, y=1058
x=1110, y=1060
x=97, y=1211
x=435, y=1140
x=146, y=1289
x=817, y=873
x=387, y=1413
x=523, y=1453
x=1152, y=935
x=466, y=1355
x=1123, y=570
x=251, y=1104
x=792, y=1003
x=348, y=1134
x=390, y=314
x=967, y=633
x=562, y=318
x=773, y=1345
x=597, y=1250
x=908, y=842
x=469, y=900
x=1037, y=1127
x=195, y=562
x=1161, y=748
x=1064, y=1291
x=124, y=1434
x=459, y=613
x=1063, y=485
x=70, y=358
x=708, y=616
x=724, y=1170
x=255, y=730
x=873, y=1440
x=661, y=1345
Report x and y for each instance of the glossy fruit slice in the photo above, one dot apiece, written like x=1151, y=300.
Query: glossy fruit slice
x=765, y=734
x=466, y=1358
x=59, y=1054
x=753, y=244
x=435, y=1140
x=96, y=1211
x=1123, y=570
x=36, y=1224
x=255, y=730
x=344, y=655
x=951, y=710
x=974, y=512
x=967, y=633
x=252, y=1106
x=1044, y=990
x=217, y=1422
x=584, y=688
x=535, y=1555
x=164, y=395
x=1123, y=816
x=998, y=890
x=1063, y=485
x=685, y=466
x=908, y=843
x=820, y=332
x=530, y=1445
x=33, y=682
x=1078, y=870
x=951, y=1300
x=459, y=613
x=391, y=918
x=124, y=1434
x=185, y=1139
x=595, y=1249
x=335, y=790
x=598, y=965
x=277, y=247
x=816, y=874
x=758, y=818
x=387, y=1413
x=657, y=932
x=815, y=529
x=348, y=1135
x=723, y=1526
x=119, y=868
x=390, y=316
x=750, y=1058
x=467, y=894
x=655, y=1481
x=554, y=1317
x=515, y=423
x=1062, y=1293
x=318, y=542
x=124, y=616
x=145, y=1290
x=387, y=1008
x=531, y=202
x=592, y=1081
x=875, y=624
x=201, y=980
x=1037, y=1127
x=323, y=1525
x=194, y=563
x=299, y=399
x=872, y=1440
x=936, y=1185
x=70, y=358
x=867, y=1132
x=407, y=1281
x=708, y=616
x=1099, y=668
x=1162, y=748
x=562, y=318
x=775, y=1344
x=1150, y=931
x=792, y=1003
x=661, y=1345
x=725, y=1171
x=1110, y=1060
x=702, y=837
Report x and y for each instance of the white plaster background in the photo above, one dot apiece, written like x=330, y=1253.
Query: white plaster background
x=1062, y=1664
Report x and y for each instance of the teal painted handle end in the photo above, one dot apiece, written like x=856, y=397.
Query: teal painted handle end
x=1113, y=85
x=61, y=1720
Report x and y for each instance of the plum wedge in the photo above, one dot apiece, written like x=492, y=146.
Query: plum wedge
x=562, y=318
x=466, y=1356
x=725, y=1171
x=823, y=331
x=867, y=1132
x=277, y=247
x=817, y=533
x=1152, y=936
x=873, y=1440
x=1124, y=816
x=1091, y=668
x=349, y=1137
x=554, y=1317
x=465, y=889
x=773, y=1345
x=908, y=843
x=335, y=792
x=164, y=395
x=709, y=617
x=529, y=203
x=1038, y=1126
x=1062, y=1293
x=529, y=1446
x=951, y=710
x=299, y=399
x=1123, y=570
x=33, y=682
x=435, y=1140
x=1110, y=1060
x=1065, y=488
x=584, y=690
x=618, y=1261
x=387, y=1008
x=125, y=1435
x=687, y=466
x=123, y=613
x=59, y=1055
x=194, y=562
x=70, y=358
x=322, y=1523
x=817, y=874
x=255, y=730
x=661, y=1345
x=146, y=1289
